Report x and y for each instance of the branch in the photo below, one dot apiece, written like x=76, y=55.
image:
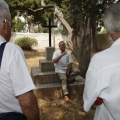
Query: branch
x=42, y=8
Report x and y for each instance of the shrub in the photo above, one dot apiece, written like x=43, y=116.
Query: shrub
x=26, y=43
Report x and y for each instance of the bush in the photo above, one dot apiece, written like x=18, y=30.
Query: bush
x=26, y=43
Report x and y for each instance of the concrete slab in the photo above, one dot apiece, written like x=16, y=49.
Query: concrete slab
x=55, y=90
x=43, y=77
x=46, y=66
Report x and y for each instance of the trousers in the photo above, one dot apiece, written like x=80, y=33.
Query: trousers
x=12, y=116
x=65, y=80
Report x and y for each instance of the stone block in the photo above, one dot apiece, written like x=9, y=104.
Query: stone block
x=49, y=53
x=55, y=90
x=46, y=66
x=43, y=77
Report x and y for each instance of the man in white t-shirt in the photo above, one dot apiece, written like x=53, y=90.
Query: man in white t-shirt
x=63, y=65
x=17, y=101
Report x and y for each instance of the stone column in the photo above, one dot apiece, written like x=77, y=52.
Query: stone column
x=49, y=53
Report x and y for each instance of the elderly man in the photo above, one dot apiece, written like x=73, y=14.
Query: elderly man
x=17, y=101
x=63, y=65
x=103, y=75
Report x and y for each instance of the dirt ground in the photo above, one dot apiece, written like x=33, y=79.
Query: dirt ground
x=57, y=109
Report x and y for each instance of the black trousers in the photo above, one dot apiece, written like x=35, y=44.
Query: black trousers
x=12, y=116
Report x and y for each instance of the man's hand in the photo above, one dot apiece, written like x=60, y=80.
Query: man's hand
x=64, y=53
x=59, y=57
x=98, y=101
x=69, y=69
x=67, y=73
x=29, y=105
x=94, y=106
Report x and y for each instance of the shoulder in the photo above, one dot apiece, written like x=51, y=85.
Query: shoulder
x=68, y=53
x=13, y=48
x=98, y=60
x=57, y=52
x=101, y=55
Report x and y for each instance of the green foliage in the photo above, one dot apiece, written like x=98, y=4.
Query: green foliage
x=26, y=43
x=103, y=32
x=36, y=30
x=59, y=31
x=24, y=6
x=75, y=10
x=19, y=25
x=72, y=10
x=45, y=30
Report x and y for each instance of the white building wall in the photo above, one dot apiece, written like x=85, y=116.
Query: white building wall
x=42, y=38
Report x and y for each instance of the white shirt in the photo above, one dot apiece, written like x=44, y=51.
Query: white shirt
x=62, y=65
x=14, y=78
x=103, y=80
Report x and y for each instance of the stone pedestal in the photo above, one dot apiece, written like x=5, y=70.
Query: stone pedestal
x=46, y=66
x=49, y=53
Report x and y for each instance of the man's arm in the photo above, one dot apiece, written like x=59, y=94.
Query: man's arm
x=69, y=65
x=69, y=69
x=59, y=57
x=29, y=105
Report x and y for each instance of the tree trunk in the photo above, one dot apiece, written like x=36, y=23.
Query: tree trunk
x=94, y=43
x=85, y=46
x=31, y=27
x=30, y=23
x=40, y=28
x=59, y=15
x=74, y=40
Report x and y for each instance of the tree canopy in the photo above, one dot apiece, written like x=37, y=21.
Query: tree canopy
x=72, y=10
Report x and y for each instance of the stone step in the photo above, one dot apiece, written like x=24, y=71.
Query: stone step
x=55, y=90
x=46, y=66
x=43, y=77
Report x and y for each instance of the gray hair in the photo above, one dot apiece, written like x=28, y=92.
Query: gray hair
x=4, y=12
x=112, y=18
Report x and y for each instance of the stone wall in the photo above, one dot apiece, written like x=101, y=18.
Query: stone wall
x=103, y=40
x=42, y=38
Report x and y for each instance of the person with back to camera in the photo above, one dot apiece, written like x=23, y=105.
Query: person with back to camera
x=102, y=85
x=17, y=101
x=63, y=64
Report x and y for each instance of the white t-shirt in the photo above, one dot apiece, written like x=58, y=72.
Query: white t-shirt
x=62, y=65
x=14, y=78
